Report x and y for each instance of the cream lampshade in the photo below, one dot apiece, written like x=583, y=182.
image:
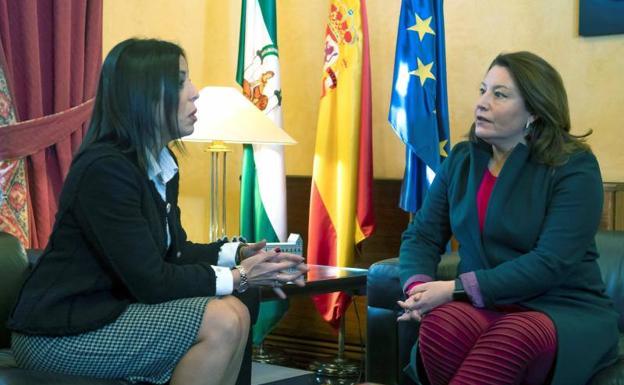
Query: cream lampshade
x=225, y=115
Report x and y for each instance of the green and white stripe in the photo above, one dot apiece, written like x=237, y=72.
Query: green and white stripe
x=263, y=183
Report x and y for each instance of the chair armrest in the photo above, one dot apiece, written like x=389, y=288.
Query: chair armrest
x=610, y=245
x=383, y=288
x=383, y=358
x=388, y=342
x=13, y=267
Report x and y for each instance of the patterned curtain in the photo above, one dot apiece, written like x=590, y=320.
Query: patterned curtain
x=13, y=198
x=53, y=53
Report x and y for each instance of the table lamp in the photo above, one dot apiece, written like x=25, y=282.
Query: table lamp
x=225, y=115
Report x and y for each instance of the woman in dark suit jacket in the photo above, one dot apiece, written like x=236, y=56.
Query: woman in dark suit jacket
x=119, y=292
x=523, y=198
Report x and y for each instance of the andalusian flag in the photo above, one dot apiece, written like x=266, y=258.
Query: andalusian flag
x=341, y=212
x=263, y=182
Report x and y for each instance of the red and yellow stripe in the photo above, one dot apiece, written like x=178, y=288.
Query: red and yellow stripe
x=341, y=212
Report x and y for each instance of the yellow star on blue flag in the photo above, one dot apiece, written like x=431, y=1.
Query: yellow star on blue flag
x=442, y=150
x=423, y=27
x=423, y=72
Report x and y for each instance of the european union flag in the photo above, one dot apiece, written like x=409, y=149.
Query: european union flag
x=419, y=107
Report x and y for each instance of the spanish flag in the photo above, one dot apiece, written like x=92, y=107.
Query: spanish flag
x=341, y=212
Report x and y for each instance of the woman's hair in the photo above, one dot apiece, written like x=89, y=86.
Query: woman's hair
x=548, y=137
x=136, y=105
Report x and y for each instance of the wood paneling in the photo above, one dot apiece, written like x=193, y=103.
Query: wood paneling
x=390, y=219
x=618, y=223
x=613, y=207
x=298, y=210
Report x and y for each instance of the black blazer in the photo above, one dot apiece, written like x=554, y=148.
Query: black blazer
x=108, y=248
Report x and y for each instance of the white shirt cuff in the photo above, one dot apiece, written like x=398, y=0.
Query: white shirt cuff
x=225, y=280
x=227, y=254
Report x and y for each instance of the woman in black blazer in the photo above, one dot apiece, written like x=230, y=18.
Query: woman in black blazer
x=119, y=291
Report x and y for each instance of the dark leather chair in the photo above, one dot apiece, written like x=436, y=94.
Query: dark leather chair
x=14, y=265
x=389, y=342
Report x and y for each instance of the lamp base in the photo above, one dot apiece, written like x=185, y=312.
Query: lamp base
x=218, y=178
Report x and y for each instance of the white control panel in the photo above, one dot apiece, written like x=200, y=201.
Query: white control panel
x=293, y=245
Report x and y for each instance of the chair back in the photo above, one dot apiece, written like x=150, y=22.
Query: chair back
x=610, y=245
x=13, y=269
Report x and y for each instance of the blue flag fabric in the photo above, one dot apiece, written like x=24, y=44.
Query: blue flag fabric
x=419, y=107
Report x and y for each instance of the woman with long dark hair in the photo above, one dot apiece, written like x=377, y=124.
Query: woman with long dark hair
x=119, y=292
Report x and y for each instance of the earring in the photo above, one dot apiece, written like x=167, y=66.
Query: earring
x=528, y=127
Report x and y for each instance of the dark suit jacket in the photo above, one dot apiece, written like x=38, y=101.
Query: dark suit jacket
x=108, y=249
x=537, y=247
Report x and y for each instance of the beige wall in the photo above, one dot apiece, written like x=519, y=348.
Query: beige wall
x=476, y=30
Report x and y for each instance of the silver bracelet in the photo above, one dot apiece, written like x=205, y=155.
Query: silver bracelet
x=243, y=283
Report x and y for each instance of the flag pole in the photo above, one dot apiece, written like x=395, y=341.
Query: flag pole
x=338, y=366
x=263, y=356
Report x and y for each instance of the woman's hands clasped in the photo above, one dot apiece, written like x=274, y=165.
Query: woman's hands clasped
x=272, y=268
x=424, y=297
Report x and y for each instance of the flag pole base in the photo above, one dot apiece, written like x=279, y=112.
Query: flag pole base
x=336, y=367
x=263, y=356
x=339, y=366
